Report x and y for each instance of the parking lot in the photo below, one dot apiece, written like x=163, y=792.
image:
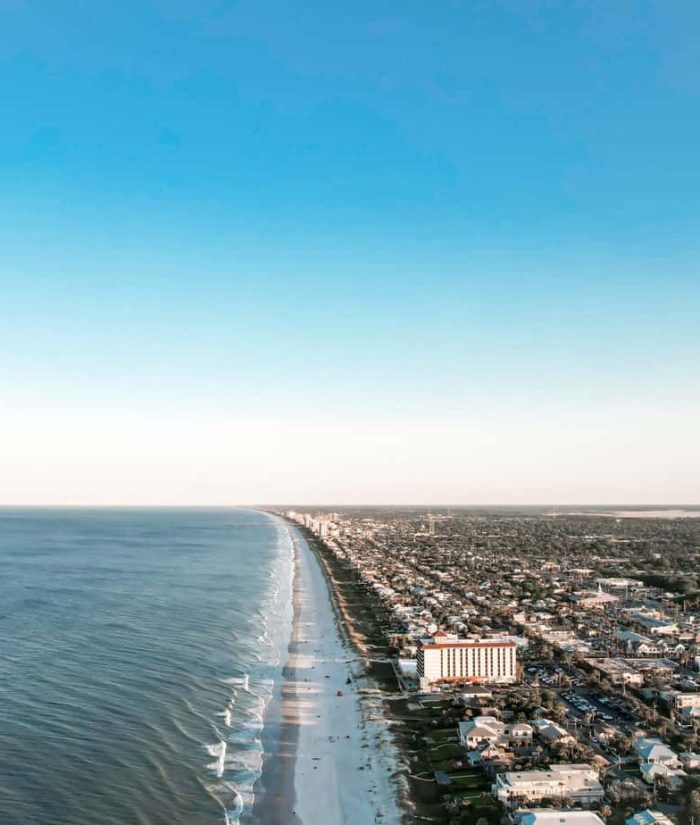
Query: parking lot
x=613, y=710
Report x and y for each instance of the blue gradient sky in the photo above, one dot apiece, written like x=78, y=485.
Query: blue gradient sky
x=333, y=252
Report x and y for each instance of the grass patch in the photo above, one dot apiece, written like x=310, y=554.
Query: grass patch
x=473, y=781
x=443, y=760
x=443, y=735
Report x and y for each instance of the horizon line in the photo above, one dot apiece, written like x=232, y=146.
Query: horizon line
x=259, y=506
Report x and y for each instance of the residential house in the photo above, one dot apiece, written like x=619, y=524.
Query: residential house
x=552, y=733
x=488, y=729
x=578, y=782
x=653, y=751
x=653, y=772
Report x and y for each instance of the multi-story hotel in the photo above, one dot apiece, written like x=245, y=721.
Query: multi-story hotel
x=446, y=658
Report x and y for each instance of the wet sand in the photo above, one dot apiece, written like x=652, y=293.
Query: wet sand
x=329, y=758
x=275, y=796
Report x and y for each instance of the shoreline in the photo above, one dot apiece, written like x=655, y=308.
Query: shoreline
x=325, y=728
x=275, y=795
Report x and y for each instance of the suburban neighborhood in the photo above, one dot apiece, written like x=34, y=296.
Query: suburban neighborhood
x=540, y=666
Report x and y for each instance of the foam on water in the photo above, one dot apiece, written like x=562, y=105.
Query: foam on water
x=219, y=751
x=227, y=713
x=240, y=752
x=173, y=642
x=238, y=680
x=232, y=815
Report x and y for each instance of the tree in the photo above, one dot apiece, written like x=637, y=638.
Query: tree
x=621, y=744
x=694, y=805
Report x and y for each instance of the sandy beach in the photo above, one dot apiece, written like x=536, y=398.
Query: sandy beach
x=330, y=757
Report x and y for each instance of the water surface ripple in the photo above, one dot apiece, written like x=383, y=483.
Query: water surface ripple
x=138, y=650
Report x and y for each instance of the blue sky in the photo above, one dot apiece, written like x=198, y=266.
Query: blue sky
x=440, y=214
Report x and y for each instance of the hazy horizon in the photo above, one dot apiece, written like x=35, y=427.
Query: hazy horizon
x=608, y=507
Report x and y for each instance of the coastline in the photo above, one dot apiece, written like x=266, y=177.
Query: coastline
x=275, y=795
x=325, y=729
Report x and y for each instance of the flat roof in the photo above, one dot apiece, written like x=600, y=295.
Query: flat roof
x=464, y=643
x=549, y=816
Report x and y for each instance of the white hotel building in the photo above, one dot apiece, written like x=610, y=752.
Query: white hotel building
x=443, y=658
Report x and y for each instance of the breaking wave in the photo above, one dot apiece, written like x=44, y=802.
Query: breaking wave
x=238, y=752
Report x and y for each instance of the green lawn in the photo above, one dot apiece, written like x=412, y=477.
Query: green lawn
x=473, y=781
x=444, y=735
x=443, y=759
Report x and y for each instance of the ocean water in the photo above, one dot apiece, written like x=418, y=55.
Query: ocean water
x=138, y=651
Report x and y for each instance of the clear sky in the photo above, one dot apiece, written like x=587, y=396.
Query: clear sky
x=327, y=252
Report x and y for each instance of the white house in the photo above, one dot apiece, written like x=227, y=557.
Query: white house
x=653, y=751
x=652, y=771
x=575, y=781
x=552, y=733
x=494, y=732
x=686, y=700
x=690, y=761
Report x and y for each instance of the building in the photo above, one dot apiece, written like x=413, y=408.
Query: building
x=577, y=782
x=472, y=694
x=565, y=640
x=595, y=599
x=690, y=714
x=686, y=700
x=647, y=817
x=559, y=816
x=494, y=732
x=443, y=658
x=658, y=762
x=653, y=751
x=638, y=644
x=654, y=622
x=620, y=583
x=658, y=771
x=550, y=732
x=618, y=671
x=657, y=667
x=690, y=761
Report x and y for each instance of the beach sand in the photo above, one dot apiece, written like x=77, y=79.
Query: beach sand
x=330, y=758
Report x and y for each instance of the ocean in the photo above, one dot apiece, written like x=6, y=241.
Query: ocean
x=138, y=652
